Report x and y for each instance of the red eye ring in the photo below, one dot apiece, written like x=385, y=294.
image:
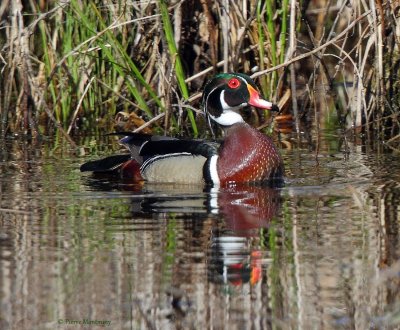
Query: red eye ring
x=234, y=83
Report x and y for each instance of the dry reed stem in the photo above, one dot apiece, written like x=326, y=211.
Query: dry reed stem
x=314, y=51
x=226, y=38
x=291, y=52
x=150, y=122
x=78, y=107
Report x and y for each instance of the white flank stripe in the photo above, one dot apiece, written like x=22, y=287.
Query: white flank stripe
x=213, y=170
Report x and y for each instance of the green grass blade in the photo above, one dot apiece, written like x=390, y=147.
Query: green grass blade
x=285, y=6
x=117, y=56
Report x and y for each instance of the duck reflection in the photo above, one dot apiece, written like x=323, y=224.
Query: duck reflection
x=232, y=256
x=247, y=208
x=233, y=259
x=238, y=214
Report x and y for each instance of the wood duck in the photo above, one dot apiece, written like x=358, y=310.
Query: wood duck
x=245, y=154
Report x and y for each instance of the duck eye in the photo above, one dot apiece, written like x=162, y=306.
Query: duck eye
x=234, y=83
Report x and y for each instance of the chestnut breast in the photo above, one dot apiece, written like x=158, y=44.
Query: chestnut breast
x=247, y=155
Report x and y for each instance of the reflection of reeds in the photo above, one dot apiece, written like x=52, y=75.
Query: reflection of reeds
x=76, y=63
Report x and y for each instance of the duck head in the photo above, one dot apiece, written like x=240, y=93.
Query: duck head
x=226, y=93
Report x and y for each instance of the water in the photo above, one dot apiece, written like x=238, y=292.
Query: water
x=82, y=252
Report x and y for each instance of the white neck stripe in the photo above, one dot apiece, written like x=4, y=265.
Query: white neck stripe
x=206, y=101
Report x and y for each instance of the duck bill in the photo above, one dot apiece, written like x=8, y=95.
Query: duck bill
x=256, y=101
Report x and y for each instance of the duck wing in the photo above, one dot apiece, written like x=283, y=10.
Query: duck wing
x=107, y=164
x=165, y=147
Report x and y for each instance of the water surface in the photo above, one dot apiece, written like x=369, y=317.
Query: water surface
x=319, y=253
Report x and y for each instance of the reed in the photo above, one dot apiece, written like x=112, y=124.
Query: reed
x=81, y=65
x=179, y=72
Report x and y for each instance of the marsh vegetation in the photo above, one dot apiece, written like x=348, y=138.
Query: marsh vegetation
x=323, y=249
x=140, y=65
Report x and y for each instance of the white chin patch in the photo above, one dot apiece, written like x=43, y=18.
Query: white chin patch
x=229, y=116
